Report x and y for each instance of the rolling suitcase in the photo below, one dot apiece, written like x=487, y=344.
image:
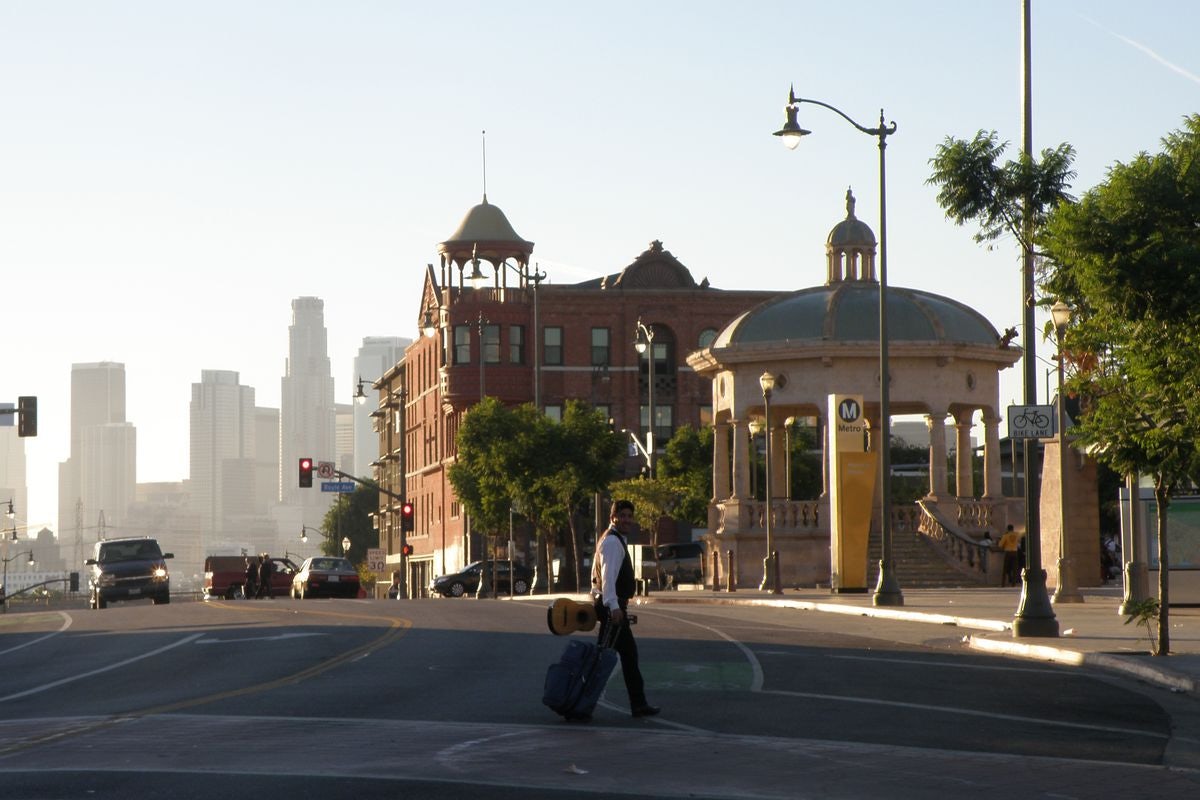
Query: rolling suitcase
x=575, y=683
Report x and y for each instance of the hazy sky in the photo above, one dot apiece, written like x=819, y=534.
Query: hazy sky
x=172, y=174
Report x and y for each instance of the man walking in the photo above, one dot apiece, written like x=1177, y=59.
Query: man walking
x=612, y=586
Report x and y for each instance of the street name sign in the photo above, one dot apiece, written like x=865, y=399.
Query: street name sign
x=337, y=486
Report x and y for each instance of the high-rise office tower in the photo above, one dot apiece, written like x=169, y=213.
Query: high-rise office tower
x=377, y=355
x=97, y=401
x=306, y=413
x=222, y=452
x=12, y=477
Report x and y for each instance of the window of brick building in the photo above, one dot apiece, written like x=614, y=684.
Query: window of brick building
x=600, y=347
x=516, y=344
x=552, y=346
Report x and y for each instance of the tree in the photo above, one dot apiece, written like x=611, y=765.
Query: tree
x=350, y=517
x=687, y=464
x=1128, y=256
x=974, y=186
x=652, y=498
x=518, y=457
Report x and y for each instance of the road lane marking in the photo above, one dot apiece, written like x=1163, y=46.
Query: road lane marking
x=66, y=624
x=275, y=638
x=110, y=667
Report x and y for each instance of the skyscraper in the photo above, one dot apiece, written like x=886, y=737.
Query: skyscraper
x=222, y=453
x=377, y=355
x=306, y=414
x=100, y=473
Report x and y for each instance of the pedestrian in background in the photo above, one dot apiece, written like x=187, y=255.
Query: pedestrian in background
x=266, y=568
x=250, y=584
x=1010, y=543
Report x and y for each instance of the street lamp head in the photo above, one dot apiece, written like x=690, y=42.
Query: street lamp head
x=14, y=535
x=303, y=535
x=427, y=325
x=32, y=562
x=767, y=382
x=1060, y=312
x=791, y=132
x=757, y=426
x=11, y=512
x=476, y=277
x=345, y=544
x=789, y=422
x=360, y=397
x=640, y=346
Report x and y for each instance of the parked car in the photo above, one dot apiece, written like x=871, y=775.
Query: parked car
x=680, y=562
x=225, y=576
x=467, y=582
x=327, y=576
x=128, y=569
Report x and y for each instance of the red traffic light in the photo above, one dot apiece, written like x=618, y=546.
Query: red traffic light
x=306, y=473
x=406, y=516
x=406, y=550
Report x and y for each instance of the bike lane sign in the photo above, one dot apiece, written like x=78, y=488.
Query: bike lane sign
x=1030, y=422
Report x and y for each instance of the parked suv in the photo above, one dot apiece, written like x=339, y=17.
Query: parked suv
x=128, y=569
x=225, y=576
x=681, y=562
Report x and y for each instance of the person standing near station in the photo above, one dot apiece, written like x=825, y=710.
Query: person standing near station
x=613, y=584
x=250, y=584
x=266, y=568
x=1010, y=543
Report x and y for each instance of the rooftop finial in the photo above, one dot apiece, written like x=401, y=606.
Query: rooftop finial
x=483, y=136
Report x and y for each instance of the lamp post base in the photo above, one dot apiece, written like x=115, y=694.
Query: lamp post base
x=1066, y=591
x=887, y=589
x=770, y=580
x=1035, y=617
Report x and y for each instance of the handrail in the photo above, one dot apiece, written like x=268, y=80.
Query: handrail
x=962, y=551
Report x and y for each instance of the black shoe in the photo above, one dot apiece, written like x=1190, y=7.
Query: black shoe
x=645, y=710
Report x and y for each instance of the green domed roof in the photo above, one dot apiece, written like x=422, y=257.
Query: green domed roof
x=849, y=312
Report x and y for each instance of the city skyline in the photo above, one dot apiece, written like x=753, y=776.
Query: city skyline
x=176, y=174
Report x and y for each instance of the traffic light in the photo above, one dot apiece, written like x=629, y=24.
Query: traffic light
x=406, y=516
x=27, y=423
x=305, y=473
x=74, y=581
x=406, y=550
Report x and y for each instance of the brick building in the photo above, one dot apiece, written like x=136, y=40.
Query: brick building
x=493, y=325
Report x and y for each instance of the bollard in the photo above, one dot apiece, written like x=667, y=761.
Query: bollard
x=730, y=583
x=716, y=567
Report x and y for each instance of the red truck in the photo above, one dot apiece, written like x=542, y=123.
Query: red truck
x=225, y=576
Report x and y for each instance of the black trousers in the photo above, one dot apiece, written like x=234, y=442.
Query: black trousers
x=626, y=648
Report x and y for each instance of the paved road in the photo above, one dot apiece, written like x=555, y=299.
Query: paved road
x=354, y=698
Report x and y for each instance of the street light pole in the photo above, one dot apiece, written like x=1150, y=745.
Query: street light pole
x=1066, y=591
x=4, y=593
x=644, y=343
x=770, y=563
x=887, y=590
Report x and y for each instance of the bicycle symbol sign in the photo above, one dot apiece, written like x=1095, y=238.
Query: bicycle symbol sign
x=1030, y=422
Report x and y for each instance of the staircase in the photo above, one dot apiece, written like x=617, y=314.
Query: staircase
x=918, y=564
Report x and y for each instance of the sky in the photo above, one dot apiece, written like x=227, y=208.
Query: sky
x=174, y=172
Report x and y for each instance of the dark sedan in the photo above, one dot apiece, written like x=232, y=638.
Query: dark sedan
x=325, y=576
x=467, y=582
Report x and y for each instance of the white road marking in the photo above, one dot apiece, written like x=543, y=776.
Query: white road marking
x=46, y=686
x=275, y=638
x=66, y=624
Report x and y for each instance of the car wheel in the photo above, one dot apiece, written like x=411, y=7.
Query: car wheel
x=520, y=586
x=457, y=589
x=162, y=599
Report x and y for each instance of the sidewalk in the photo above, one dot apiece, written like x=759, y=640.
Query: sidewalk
x=1091, y=633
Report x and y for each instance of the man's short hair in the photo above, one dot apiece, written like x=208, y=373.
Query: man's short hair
x=619, y=506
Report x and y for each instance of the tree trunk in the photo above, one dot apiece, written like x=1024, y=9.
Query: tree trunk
x=1163, y=500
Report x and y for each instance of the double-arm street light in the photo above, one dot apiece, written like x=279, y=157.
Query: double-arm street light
x=4, y=584
x=887, y=590
x=1066, y=591
x=643, y=342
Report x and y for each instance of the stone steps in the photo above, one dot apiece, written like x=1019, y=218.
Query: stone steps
x=918, y=565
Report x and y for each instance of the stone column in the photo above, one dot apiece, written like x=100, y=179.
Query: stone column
x=741, y=460
x=993, y=488
x=824, y=436
x=963, y=481
x=778, y=463
x=721, y=481
x=937, y=454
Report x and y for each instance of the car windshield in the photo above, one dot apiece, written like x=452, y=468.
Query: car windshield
x=331, y=565
x=111, y=552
